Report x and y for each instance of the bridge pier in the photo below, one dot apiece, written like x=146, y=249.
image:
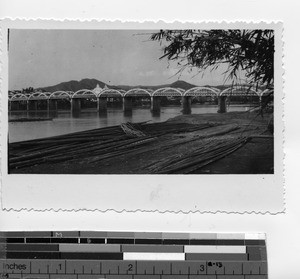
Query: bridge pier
x=222, y=108
x=75, y=105
x=127, y=104
x=155, y=105
x=186, y=105
x=51, y=104
x=102, y=105
x=15, y=105
x=32, y=105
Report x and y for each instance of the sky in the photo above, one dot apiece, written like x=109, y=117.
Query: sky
x=39, y=58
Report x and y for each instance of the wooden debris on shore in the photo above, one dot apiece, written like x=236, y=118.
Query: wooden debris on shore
x=130, y=130
x=195, y=159
x=99, y=143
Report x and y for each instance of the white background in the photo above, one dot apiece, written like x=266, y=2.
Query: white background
x=283, y=230
x=226, y=193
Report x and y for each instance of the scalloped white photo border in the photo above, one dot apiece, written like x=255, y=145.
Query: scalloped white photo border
x=154, y=193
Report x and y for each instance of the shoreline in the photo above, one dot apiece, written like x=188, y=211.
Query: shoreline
x=224, y=139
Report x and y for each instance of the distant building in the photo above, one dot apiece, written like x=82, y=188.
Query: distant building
x=98, y=89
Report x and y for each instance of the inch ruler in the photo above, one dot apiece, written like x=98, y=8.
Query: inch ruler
x=132, y=255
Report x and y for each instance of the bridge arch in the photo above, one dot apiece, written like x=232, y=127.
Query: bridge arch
x=137, y=92
x=202, y=91
x=18, y=97
x=110, y=93
x=27, y=94
x=239, y=91
x=38, y=96
x=168, y=92
x=47, y=94
x=60, y=95
x=84, y=93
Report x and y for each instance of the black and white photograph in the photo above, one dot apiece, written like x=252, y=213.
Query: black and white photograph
x=142, y=116
x=149, y=139
x=164, y=101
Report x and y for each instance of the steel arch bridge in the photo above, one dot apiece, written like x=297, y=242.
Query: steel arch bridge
x=84, y=94
x=138, y=92
x=39, y=96
x=17, y=97
x=201, y=91
x=103, y=94
x=111, y=93
x=168, y=92
x=60, y=95
x=240, y=91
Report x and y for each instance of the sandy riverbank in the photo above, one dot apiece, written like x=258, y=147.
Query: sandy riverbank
x=230, y=143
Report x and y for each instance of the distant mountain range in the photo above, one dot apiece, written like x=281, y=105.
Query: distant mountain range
x=87, y=83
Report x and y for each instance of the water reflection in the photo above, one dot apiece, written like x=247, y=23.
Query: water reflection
x=127, y=113
x=64, y=122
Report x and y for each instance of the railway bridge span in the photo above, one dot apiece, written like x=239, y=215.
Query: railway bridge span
x=99, y=95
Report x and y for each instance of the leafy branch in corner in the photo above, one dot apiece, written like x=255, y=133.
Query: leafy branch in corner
x=249, y=50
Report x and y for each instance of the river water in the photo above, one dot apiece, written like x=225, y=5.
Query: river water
x=64, y=123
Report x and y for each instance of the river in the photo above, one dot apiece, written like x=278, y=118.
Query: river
x=64, y=123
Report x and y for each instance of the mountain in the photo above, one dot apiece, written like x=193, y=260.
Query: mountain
x=177, y=84
x=86, y=83
x=182, y=84
x=74, y=85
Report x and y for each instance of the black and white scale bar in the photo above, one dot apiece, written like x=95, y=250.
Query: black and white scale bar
x=84, y=255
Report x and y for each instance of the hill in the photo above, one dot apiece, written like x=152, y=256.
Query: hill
x=74, y=85
x=177, y=84
x=86, y=83
x=181, y=84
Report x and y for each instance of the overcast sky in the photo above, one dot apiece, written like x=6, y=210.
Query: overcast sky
x=40, y=58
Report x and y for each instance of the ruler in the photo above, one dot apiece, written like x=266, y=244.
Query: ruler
x=132, y=255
